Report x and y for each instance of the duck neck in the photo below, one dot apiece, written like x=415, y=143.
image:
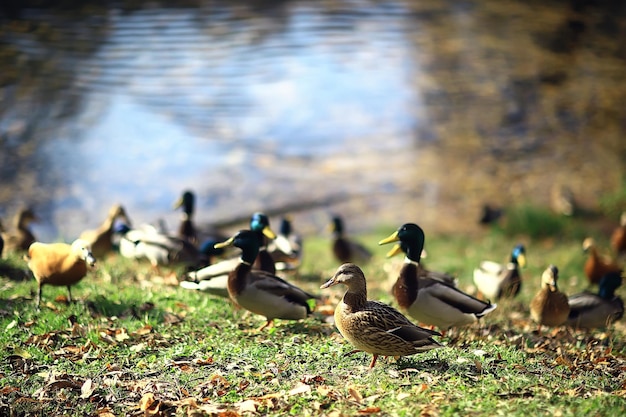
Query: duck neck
x=355, y=299
x=237, y=278
x=606, y=293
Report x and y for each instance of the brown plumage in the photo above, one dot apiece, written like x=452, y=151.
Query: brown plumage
x=549, y=307
x=19, y=239
x=596, y=266
x=372, y=326
x=618, y=237
x=59, y=264
x=100, y=239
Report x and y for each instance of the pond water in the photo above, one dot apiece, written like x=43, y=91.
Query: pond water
x=368, y=108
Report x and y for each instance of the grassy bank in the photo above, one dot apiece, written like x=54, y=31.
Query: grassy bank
x=136, y=344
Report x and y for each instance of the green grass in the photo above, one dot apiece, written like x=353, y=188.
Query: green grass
x=139, y=343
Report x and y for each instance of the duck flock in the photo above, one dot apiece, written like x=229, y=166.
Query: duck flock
x=249, y=277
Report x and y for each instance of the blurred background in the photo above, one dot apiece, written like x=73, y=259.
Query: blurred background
x=383, y=111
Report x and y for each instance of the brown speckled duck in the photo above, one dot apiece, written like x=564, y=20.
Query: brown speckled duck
x=372, y=326
x=597, y=266
x=429, y=300
x=101, y=239
x=549, y=307
x=345, y=249
x=20, y=239
x=59, y=264
x=260, y=292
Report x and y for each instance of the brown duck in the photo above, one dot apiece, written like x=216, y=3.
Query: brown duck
x=597, y=266
x=372, y=326
x=100, y=239
x=549, y=307
x=19, y=239
x=59, y=264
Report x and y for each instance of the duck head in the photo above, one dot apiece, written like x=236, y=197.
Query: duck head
x=411, y=241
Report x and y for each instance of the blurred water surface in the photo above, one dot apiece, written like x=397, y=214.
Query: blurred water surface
x=346, y=105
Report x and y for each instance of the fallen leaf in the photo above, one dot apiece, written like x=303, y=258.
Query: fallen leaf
x=355, y=395
x=401, y=396
x=300, y=389
x=104, y=412
x=143, y=330
x=369, y=410
x=87, y=389
x=247, y=406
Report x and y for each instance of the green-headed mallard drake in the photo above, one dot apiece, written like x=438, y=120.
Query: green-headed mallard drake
x=101, y=239
x=146, y=242
x=372, y=326
x=618, y=237
x=214, y=278
x=345, y=249
x=260, y=224
x=59, y=264
x=589, y=310
x=20, y=239
x=187, y=229
x=549, y=307
x=286, y=249
x=494, y=280
x=426, y=299
x=260, y=292
x=597, y=266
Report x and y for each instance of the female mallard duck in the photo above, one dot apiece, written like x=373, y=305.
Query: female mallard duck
x=372, y=326
x=101, y=239
x=345, y=249
x=549, y=307
x=426, y=299
x=618, y=237
x=20, y=239
x=59, y=264
x=286, y=249
x=597, y=266
x=214, y=278
x=260, y=292
x=495, y=281
x=160, y=249
x=588, y=310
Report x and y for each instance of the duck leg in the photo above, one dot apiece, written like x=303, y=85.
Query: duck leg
x=373, y=361
x=269, y=323
x=38, y=299
x=69, y=294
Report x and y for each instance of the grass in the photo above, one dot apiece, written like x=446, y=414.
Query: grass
x=135, y=344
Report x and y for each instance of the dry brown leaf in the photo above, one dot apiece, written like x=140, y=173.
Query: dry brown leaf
x=143, y=330
x=355, y=394
x=421, y=388
x=146, y=401
x=104, y=412
x=369, y=410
